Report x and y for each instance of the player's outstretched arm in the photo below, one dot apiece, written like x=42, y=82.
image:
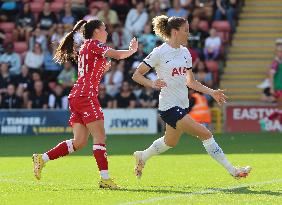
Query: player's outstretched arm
x=138, y=76
x=218, y=95
x=121, y=54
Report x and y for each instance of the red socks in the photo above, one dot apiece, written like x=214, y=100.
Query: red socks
x=62, y=149
x=100, y=154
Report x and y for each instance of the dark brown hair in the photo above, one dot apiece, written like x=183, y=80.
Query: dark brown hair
x=163, y=25
x=66, y=50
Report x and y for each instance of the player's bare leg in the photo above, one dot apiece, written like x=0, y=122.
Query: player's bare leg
x=188, y=125
x=64, y=148
x=97, y=131
x=159, y=146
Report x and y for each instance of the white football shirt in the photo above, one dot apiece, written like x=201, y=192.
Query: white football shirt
x=171, y=65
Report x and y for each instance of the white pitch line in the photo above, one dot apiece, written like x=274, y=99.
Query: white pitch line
x=206, y=191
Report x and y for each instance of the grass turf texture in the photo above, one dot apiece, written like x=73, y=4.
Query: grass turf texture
x=184, y=175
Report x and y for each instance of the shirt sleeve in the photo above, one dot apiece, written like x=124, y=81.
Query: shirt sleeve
x=100, y=48
x=152, y=60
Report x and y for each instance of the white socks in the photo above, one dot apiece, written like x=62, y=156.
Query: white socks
x=216, y=152
x=45, y=157
x=159, y=146
x=104, y=174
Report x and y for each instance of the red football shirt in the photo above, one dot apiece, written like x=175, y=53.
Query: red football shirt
x=91, y=66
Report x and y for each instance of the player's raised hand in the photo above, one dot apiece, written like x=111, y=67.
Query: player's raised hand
x=133, y=46
x=158, y=84
x=219, y=96
x=108, y=66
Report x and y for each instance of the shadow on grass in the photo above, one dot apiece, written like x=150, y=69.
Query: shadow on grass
x=127, y=144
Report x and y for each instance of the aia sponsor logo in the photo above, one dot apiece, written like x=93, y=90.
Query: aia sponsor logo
x=179, y=71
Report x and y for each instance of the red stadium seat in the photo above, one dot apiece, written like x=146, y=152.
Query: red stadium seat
x=57, y=6
x=221, y=26
x=36, y=7
x=213, y=68
x=20, y=47
x=223, y=29
x=8, y=27
x=204, y=25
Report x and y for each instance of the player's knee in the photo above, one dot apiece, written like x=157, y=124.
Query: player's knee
x=206, y=134
x=100, y=139
x=79, y=144
x=171, y=143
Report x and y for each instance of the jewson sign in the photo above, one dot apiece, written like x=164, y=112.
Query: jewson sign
x=130, y=121
x=117, y=121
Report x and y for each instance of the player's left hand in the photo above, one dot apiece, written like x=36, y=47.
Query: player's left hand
x=133, y=45
x=108, y=66
x=219, y=96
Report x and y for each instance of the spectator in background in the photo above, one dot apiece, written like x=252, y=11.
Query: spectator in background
x=121, y=37
x=107, y=15
x=148, y=98
x=35, y=76
x=199, y=109
x=47, y=19
x=37, y=98
x=155, y=10
x=126, y=98
x=38, y=37
x=34, y=59
x=8, y=10
x=203, y=75
x=212, y=46
x=197, y=36
x=2, y=38
x=187, y=4
x=177, y=10
x=5, y=77
x=51, y=68
x=204, y=9
x=225, y=8
x=67, y=17
x=136, y=19
x=148, y=39
x=276, y=83
x=57, y=99
x=121, y=7
x=93, y=13
x=105, y=100
x=12, y=58
x=10, y=100
x=23, y=82
x=113, y=79
x=58, y=35
x=195, y=57
x=25, y=22
x=67, y=78
x=23, y=79
x=79, y=8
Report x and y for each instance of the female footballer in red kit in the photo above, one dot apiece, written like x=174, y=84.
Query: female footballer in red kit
x=86, y=113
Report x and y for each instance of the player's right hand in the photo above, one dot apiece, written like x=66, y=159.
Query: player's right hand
x=133, y=46
x=158, y=84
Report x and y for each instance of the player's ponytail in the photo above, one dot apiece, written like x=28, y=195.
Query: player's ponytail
x=163, y=25
x=65, y=50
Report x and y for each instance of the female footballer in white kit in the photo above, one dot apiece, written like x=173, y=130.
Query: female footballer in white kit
x=173, y=64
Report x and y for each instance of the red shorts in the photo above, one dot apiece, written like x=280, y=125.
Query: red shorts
x=84, y=110
x=278, y=94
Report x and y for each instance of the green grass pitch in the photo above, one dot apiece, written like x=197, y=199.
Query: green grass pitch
x=183, y=175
